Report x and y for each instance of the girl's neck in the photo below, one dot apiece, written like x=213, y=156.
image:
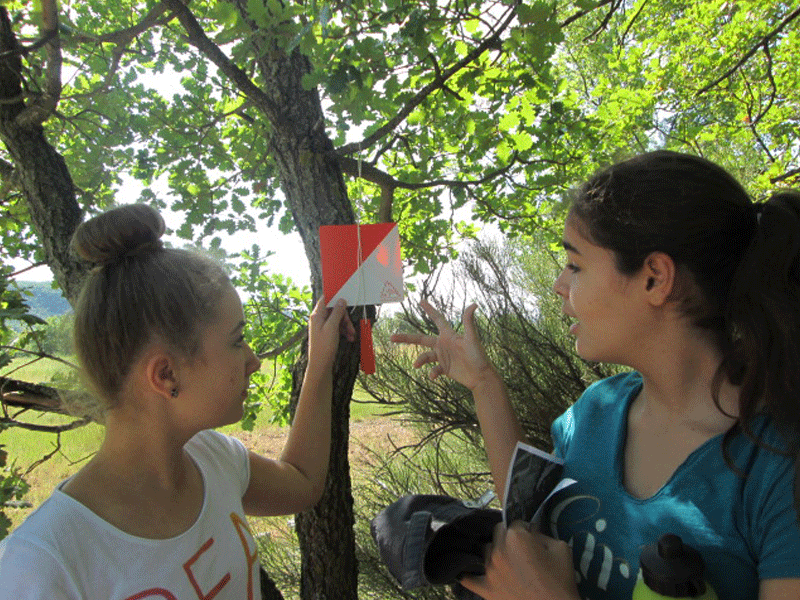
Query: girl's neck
x=145, y=447
x=679, y=383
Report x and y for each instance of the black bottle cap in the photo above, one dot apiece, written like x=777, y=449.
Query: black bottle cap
x=672, y=568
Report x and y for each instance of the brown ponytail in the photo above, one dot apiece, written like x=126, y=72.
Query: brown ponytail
x=762, y=353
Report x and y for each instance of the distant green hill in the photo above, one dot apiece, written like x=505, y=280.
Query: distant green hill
x=45, y=301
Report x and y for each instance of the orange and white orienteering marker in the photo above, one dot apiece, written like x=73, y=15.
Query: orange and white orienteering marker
x=363, y=265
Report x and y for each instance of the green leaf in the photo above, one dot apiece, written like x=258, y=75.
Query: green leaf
x=508, y=121
x=257, y=11
x=535, y=12
x=522, y=140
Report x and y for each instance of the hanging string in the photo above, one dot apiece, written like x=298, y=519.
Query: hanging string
x=367, y=351
x=362, y=291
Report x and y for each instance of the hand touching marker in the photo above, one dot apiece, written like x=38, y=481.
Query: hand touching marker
x=362, y=265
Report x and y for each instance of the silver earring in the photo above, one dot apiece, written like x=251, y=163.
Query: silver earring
x=174, y=392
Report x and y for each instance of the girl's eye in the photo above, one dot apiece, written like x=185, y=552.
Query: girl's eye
x=239, y=343
x=572, y=267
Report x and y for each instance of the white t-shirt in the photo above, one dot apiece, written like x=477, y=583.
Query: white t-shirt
x=65, y=551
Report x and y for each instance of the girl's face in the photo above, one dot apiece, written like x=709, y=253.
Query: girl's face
x=609, y=312
x=215, y=384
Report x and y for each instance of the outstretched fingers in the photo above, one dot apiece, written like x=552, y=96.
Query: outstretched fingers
x=468, y=319
x=438, y=318
x=434, y=358
x=421, y=339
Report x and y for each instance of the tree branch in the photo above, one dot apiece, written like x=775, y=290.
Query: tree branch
x=604, y=23
x=44, y=106
x=773, y=86
x=275, y=352
x=366, y=171
x=584, y=12
x=630, y=24
x=7, y=170
x=54, y=60
x=123, y=37
x=785, y=176
x=374, y=175
x=30, y=395
x=44, y=428
x=749, y=54
x=200, y=40
x=437, y=83
x=387, y=202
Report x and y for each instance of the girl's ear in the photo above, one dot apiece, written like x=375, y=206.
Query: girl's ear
x=161, y=373
x=658, y=277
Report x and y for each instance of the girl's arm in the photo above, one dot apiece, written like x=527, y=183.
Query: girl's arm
x=462, y=358
x=296, y=480
x=519, y=564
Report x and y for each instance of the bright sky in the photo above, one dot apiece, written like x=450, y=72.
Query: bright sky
x=289, y=258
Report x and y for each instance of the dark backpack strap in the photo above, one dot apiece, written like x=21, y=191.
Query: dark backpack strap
x=417, y=533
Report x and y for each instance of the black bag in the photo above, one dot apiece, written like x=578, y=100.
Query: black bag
x=434, y=540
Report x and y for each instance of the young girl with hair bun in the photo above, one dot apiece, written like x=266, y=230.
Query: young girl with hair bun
x=159, y=511
x=674, y=272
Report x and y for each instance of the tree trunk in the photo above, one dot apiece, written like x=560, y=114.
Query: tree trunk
x=42, y=174
x=316, y=195
x=325, y=533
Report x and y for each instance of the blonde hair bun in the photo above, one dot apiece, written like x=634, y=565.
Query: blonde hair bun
x=119, y=232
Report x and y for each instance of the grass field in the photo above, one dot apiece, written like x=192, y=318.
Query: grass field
x=72, y=448
x=36, y=370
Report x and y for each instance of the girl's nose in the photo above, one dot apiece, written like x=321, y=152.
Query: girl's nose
x=559, y=287
x=253, y=362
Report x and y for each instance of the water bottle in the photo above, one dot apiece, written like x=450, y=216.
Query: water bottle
x=672, y=569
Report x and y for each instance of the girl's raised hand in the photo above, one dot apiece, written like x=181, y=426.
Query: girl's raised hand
x=325, y=326
x=460, y=357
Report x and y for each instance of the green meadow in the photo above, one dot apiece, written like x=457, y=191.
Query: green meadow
x=71, y=449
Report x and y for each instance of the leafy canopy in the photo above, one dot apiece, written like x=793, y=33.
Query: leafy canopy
x=525, y=98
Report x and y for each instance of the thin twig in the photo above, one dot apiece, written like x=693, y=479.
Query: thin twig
x=766, y=39
x=26, y=269
x=438, y=83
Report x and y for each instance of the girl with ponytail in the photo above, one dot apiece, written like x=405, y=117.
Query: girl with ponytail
x=673, y=271
x=159, y=511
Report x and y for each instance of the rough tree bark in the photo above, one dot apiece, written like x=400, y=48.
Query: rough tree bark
x=42, y=174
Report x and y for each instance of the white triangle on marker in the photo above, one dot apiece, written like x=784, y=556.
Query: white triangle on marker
x=375, y=283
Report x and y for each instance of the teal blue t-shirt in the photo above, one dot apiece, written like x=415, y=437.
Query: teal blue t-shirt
x=745, y=528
